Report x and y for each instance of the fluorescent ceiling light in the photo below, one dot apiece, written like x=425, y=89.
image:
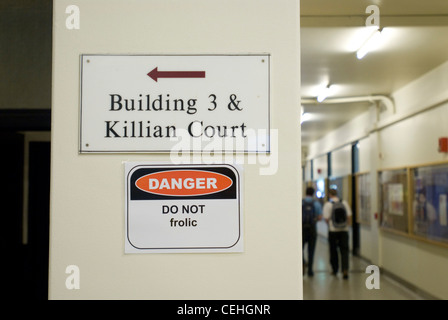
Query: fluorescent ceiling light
x=305, y=117
x=325, y=92
x=370, y=44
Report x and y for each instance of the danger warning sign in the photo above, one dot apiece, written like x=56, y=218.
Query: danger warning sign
x=182, y=208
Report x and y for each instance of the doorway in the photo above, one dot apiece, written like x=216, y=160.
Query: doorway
x=25, y=195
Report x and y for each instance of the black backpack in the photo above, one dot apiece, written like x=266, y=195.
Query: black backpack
x=339, y=215
x=307, y=214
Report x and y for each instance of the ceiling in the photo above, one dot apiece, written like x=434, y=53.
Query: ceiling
x=414, y=40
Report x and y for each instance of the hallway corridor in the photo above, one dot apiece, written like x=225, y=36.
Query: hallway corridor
x=324, y=286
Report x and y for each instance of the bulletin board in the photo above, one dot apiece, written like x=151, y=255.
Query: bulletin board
x=393, y=197
x=430, y=202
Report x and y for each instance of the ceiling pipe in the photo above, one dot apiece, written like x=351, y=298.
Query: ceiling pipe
x=388, y=102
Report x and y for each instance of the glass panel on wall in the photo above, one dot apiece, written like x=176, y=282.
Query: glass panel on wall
x=430, y=202
x=393, y=193
x=363, y=196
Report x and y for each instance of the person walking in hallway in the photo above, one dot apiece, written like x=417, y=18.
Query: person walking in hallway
x=311, y=213
x=337, y=213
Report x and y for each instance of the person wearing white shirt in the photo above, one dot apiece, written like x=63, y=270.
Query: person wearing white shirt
x=338, y=237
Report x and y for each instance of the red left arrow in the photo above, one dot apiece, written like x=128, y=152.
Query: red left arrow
x=156, y=74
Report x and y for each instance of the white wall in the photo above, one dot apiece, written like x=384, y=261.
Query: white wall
x=320, y=167
x=415, y=141
x=423, y=106
x=421, y=264
x=341, y=162
x=353, y=130
x=87, y=190
x=364, y=152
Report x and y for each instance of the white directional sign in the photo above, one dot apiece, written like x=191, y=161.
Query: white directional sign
x=164, y=103
x=182, y=208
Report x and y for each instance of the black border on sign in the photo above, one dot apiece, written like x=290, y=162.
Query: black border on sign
x=180, y=167
x=267, y=55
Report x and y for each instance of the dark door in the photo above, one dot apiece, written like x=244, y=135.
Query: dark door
x=25, y=235
x=11, y=204
x=38, y=218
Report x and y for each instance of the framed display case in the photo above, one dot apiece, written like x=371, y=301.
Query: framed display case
x=363, y=198
x=394, y=197
x=430, y=202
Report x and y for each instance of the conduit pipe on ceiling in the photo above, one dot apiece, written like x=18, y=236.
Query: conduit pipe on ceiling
x=388, y=102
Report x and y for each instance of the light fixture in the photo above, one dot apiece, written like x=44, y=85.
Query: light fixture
x=324, y=93
x=305, y=117
x=370, y=44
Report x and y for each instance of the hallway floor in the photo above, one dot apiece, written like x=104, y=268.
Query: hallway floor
x=324, y=286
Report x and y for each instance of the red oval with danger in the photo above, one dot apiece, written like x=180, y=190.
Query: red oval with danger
x=183, y=182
